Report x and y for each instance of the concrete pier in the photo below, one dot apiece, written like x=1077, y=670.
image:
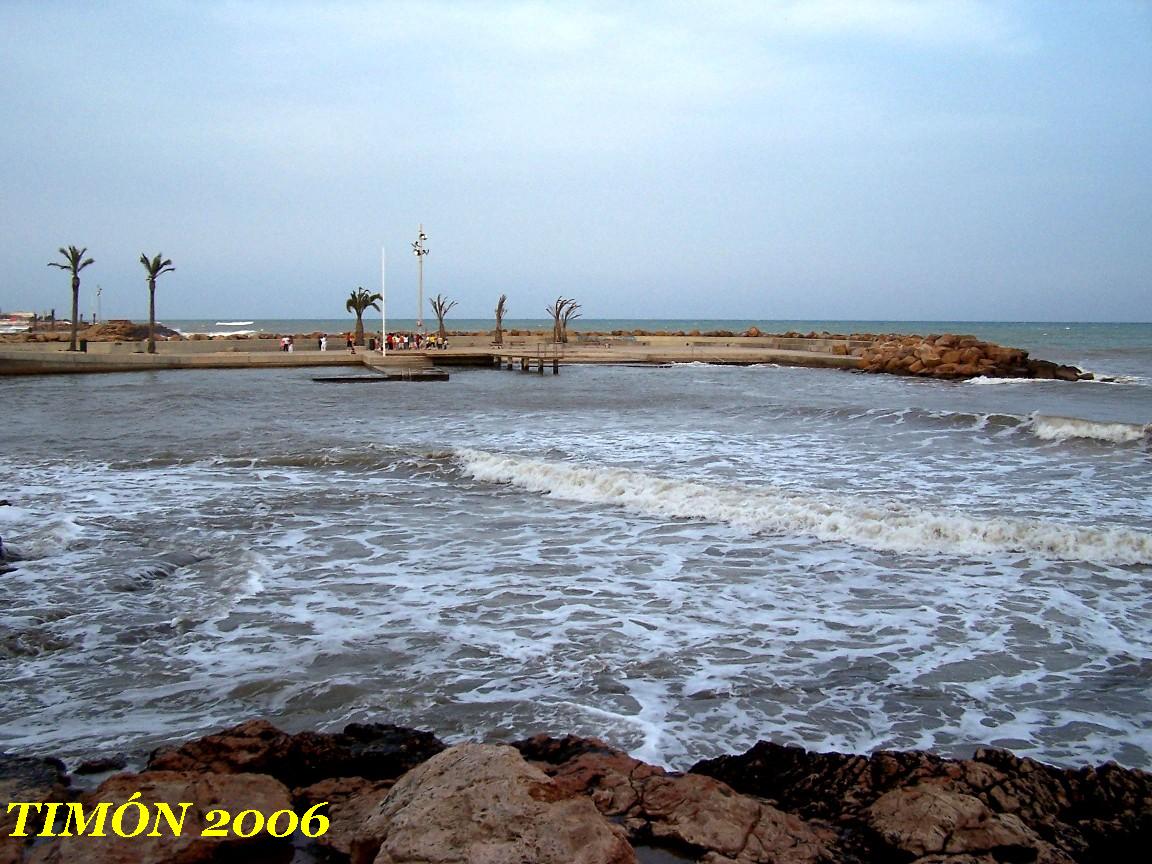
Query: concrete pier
x=46, y=359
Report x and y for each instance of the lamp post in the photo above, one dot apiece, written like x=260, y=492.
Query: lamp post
x=419, y=250
x=384, y=302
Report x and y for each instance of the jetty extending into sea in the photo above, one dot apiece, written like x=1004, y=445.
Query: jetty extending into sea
x=937, y=356
x=526, y=352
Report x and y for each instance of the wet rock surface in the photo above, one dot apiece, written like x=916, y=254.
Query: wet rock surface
x=399, y=796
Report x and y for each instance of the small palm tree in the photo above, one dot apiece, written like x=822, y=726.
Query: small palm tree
x=441, y=306
x=75, y=262
x=500, y=310
x=358, y=302
x=154, y=267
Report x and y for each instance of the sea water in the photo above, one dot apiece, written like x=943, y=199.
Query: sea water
x=681, y=560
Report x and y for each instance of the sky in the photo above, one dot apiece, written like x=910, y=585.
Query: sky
x=796, y=159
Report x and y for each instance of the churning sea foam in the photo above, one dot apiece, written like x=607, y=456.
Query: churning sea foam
x=882, y=526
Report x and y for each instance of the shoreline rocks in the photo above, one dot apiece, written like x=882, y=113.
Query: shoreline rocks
x=401, y=796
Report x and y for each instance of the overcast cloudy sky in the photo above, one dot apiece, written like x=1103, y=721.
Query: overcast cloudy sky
x=944, y=159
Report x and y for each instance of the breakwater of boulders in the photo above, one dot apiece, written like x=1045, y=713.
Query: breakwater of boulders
x=952, y=356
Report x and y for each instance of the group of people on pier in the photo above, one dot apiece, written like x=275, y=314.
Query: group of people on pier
x=415, y=342
x=395, y=342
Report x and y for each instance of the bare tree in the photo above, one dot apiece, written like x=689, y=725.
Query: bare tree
x=500, y=309
x=568, y=313
x=441, y=306
x=562, y=311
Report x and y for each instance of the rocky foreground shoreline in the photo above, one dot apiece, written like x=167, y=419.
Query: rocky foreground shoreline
x=400, y=796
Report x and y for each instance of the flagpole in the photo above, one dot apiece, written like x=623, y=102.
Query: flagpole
x=384, y=302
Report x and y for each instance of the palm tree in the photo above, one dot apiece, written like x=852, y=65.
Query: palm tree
x=500, y=309
x=75, y=262
x=358, y=302
x=154, y=267
x=441, y=306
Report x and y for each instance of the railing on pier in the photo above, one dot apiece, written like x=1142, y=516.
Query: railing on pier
x=507, y=356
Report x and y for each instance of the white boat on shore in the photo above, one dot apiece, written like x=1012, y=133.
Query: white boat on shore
x=19, y=322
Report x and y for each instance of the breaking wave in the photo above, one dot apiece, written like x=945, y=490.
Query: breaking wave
x=882, y=526
x=1050, y=428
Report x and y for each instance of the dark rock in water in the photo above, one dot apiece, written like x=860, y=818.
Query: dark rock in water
x=32, y=642
x=7, y=553
x=375, y=752
x=27, y=780
x=170, y=562
x=102, y=764
x=163, y=567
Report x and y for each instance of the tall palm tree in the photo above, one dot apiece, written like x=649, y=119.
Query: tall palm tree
x=441, y=306
x=75, y=262
x=154, y=267
x=358, y=303
x=500, y=310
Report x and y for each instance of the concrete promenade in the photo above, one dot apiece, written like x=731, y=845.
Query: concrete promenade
x=49, y=359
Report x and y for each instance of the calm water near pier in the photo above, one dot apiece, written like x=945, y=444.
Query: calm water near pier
x=681, y=560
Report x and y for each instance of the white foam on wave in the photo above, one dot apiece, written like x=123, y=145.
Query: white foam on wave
x=1052, y=428
x=875, y=525
x=234, y=323
x=983, y=381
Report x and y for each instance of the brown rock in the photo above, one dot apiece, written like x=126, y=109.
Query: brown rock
x=952, y=356
x=205, y=792
x=351, y=801
x=483, y=804
x=588, y=766
x=926, y=819
x=373, y=751
x=708, y=815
